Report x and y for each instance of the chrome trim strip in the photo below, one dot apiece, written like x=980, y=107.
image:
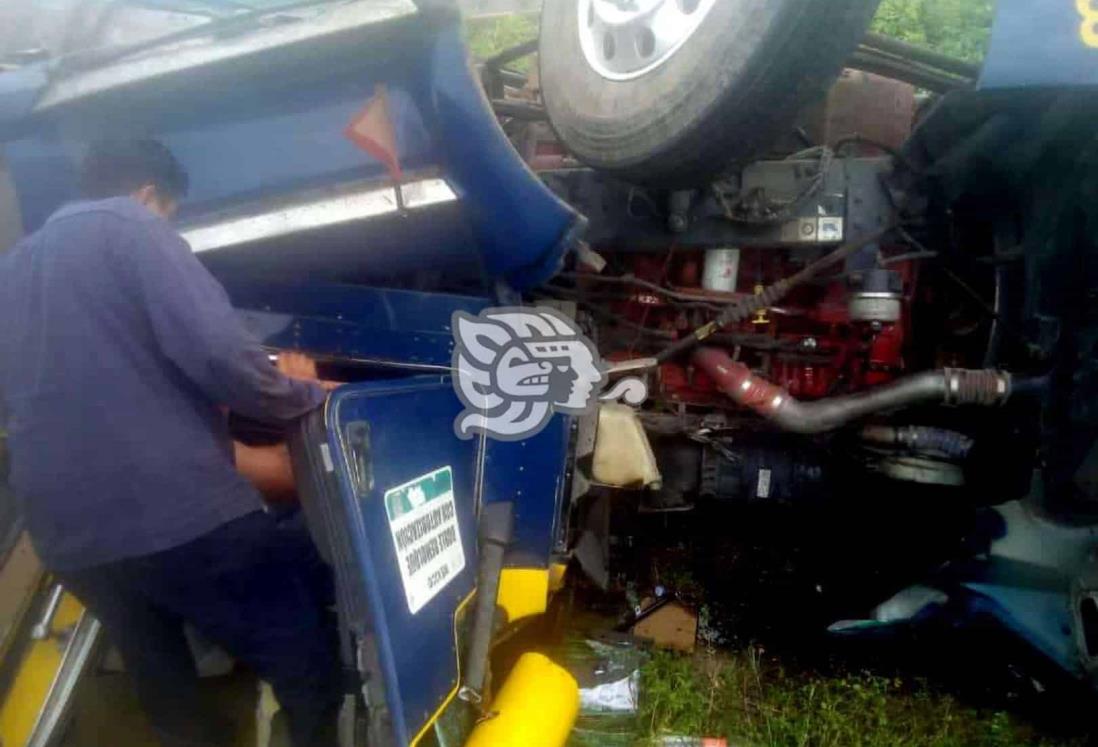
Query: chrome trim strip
x=48, y=728
x=320, y=212
x=201, y=51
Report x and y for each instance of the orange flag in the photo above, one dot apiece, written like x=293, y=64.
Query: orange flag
x=372, y=130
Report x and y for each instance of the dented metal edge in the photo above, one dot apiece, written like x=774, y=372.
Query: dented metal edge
x=363, y=203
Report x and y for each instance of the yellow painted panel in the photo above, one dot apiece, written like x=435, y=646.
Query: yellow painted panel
x=523, y=592
x=557, y=574
x=31, y=685
x=537, y=707
x=1089, y=29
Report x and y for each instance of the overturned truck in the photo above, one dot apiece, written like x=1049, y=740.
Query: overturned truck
x=879, y=307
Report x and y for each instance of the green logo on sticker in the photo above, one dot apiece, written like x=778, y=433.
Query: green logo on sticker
x=408, y=497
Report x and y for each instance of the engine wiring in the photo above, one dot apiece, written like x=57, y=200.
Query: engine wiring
x=752, y=208
x=633, y=280
x=770, y=295
x=985, y=307
x=733, y=310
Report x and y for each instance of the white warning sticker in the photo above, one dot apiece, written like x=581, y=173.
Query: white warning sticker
x=423, y=519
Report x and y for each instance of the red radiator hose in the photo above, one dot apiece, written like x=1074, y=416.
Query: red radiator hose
x=949, y=386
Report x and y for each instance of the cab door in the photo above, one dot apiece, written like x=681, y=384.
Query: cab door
x=391, y=496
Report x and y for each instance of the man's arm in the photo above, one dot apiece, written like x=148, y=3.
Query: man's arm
x=268, y=468
x=197, y=329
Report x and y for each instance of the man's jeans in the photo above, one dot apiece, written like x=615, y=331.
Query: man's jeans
x=256, y=587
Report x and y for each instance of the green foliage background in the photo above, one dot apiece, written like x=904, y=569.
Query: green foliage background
x=956, y=27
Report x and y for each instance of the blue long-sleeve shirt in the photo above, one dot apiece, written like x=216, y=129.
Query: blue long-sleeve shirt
x=117, y=351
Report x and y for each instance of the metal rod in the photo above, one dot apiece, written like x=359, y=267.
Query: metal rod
x=41, y=629
x=496, y=528
x=519, y=110
x=76, y=661
x=511, y=54
x=922, y=55
x=874, y=61
x=654, y=287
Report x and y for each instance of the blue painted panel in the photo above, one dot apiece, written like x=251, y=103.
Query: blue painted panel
x=353, y=321
x=19, y=91
x=247, y=135
x=348, y=340
x=380, y=324
x=1041, y=43
x=43, y=170
x=1041, y=617
x=292, y=147
x=411, y=435
x=532, y=474
x=247, y=148
x=385, y=308
x=522, y=229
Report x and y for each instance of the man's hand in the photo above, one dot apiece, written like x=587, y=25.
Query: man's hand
x=300, y=366
x=297, y=365
x=268, y=468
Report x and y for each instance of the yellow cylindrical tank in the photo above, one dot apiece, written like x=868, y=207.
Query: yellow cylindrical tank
x=537, y=707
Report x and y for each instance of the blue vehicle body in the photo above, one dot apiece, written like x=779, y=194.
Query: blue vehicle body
x=1047, y=43
x=320, y=253
x=273, y=127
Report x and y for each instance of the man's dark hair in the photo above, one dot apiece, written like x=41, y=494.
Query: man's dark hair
x=113, y=168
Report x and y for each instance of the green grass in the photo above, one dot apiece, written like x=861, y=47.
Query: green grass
x=490, y=36
x=751, y=701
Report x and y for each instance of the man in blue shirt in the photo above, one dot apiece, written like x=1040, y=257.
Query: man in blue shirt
x=119, y=354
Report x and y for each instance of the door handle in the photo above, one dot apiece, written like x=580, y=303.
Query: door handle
x=357, y=434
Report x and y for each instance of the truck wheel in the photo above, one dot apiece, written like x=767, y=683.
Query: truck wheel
x=675, y=92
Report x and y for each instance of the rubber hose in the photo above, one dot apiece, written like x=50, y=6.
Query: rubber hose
x=949, y=386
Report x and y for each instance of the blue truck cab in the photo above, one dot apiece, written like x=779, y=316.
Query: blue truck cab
x=322, y=250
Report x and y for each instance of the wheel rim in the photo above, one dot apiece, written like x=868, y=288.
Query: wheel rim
x=625, y=39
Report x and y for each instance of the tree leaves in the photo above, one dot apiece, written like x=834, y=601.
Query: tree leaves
x=955, y=27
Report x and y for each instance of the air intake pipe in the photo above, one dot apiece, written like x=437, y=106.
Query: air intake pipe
x=948, y=386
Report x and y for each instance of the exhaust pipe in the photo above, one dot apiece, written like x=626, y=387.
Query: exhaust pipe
x=948, y=386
